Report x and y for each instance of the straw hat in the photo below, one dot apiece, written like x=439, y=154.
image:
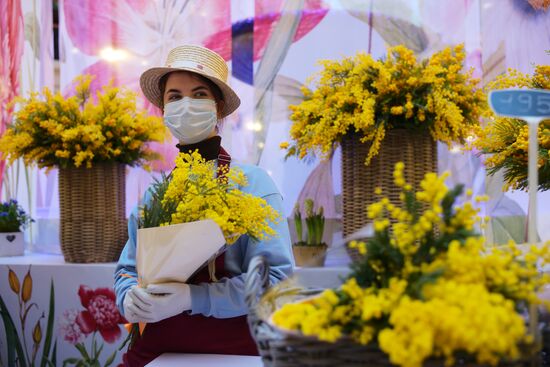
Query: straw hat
x=198, y=60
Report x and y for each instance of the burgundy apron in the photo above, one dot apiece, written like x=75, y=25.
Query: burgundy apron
x=186, y=333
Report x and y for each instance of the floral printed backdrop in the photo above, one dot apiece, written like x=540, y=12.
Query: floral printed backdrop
x=59, y=315
x=271, y=48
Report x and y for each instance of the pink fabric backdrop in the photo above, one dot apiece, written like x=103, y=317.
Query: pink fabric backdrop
x=497, y=34
x=11, y=50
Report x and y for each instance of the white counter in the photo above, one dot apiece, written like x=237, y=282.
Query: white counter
x=205, y=360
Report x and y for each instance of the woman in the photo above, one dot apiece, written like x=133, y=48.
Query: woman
x=201, y=316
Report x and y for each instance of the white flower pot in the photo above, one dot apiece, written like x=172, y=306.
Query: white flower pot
x=12, y=244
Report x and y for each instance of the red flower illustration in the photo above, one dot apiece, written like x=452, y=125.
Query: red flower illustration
x=100, y=314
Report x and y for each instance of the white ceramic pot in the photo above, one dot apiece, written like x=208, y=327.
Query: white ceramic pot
x=12, y=244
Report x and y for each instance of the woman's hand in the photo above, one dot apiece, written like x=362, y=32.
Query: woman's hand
x=156, y=302
x=137, y=305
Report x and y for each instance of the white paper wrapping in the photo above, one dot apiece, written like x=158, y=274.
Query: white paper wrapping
x=173, y=253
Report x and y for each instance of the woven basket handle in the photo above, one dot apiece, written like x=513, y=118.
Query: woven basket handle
x=257, y=281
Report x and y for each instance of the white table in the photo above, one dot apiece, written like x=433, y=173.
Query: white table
x=205, y=360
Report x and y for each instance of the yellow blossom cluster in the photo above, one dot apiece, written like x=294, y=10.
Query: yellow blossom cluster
x=453, y=317
x=53, y=130
x=197, y=193
x=362, y=96
x=506, y=140
x=428, y=286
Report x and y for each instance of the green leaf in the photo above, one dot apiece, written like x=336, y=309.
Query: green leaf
x=298, y=223
x=310, y=231
x=12, y=338
x=110, y=360
x=94, y=348
x=130, y=337
x=82, y=349
x=70, y=361
x=53, y=357
x=49, y=327
x=155, y=212
x=99, y=351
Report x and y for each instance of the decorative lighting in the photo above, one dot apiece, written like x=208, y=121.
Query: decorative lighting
x=254, y=126
x=260, y=145
x=455, y=149
x=112, y=54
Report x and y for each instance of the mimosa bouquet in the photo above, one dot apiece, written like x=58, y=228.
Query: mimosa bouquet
x=192, y=214
x=506, y=140
x=56, y=131
x=363, y=96
x=428, y=286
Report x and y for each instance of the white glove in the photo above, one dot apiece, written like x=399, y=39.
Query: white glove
x=156, y=302
x=136, y=305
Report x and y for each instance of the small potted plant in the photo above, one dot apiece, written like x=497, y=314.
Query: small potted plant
x=13, y=220
x=311, y=252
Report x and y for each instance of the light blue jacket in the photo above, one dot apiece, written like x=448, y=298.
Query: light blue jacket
x=224, y=298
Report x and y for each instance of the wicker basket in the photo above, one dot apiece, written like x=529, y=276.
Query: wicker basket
x=92, y=204
x=287, y=350
x=278, y=349
x=417, y=150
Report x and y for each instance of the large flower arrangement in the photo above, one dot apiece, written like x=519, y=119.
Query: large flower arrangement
x=193, y=192
x=427, y=286
x=367, y=97
x=506, y=140
x=52, y=130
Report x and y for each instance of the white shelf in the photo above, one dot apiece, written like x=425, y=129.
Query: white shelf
x=37, y=259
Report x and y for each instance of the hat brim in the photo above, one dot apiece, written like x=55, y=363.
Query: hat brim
x=150, y=85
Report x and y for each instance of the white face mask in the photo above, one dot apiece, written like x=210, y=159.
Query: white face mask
x=190, y=120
